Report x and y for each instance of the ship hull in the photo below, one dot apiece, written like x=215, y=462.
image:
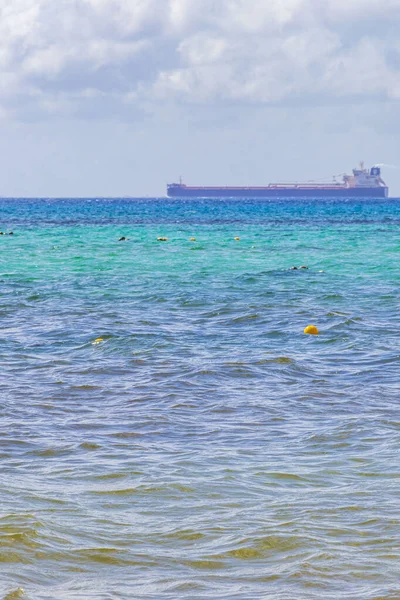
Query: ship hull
x=292, y=192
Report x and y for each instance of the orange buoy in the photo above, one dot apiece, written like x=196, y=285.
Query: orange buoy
x=311, y=330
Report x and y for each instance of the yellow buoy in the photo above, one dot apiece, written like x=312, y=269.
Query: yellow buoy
x=98, y=341
x=237, y=239
x=312, y=330
x=192, y=239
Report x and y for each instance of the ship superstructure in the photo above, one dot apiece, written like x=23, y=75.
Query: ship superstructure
x=363, y=183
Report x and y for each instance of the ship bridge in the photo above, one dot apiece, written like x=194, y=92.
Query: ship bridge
x=363, y=177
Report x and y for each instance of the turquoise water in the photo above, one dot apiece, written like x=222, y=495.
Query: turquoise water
x=204, y=447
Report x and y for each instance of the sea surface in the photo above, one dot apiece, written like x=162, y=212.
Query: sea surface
x=167, y=429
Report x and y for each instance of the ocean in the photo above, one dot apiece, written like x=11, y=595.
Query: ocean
x=168, y=430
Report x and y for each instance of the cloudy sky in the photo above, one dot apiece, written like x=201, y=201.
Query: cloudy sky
x=117, y=97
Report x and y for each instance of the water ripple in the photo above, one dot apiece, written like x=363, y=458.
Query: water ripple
x=167, y=428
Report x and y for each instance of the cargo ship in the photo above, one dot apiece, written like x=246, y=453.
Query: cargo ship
x=363, y=183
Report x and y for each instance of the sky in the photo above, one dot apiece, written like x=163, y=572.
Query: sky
x=119, y=97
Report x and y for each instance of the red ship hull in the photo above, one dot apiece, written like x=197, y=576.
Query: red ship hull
x=276, y=191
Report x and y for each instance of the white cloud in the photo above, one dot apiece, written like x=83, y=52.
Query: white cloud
x=74, y=54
